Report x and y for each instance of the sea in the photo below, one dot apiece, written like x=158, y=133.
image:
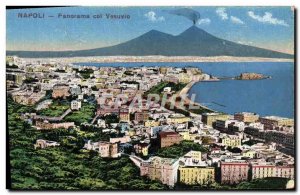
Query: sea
x=274, y=96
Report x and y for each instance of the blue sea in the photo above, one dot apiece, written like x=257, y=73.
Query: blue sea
x=273, y=96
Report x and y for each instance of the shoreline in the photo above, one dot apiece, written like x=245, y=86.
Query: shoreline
x=132, y=59
x=185, y=92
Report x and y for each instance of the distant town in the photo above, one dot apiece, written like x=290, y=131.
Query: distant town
x=145, y=114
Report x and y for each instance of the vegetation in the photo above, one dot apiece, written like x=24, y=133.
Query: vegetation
x=200, y=110
x=85, y=73
x=177, y=110
x=158, y=89
x=60, y=70
x=128, y=73
x=111, y=118
x=30, y=80
x=66, y=167
x=57, y=108
x=179, y=150
x=176, y=86
x=213, y=186
x=84, y=115
x=266, y=183
x=251, y=142
x=13, y=66
x=234, y=149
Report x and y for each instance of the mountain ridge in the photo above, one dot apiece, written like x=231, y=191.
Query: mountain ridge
x=193, y=41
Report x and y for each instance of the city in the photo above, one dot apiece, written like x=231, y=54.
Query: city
x=146, y=116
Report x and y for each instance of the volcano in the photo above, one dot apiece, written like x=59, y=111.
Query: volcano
x=192, y=42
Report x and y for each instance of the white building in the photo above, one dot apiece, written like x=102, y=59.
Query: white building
x=167, y=89
x=75, y=105
x=101, y=123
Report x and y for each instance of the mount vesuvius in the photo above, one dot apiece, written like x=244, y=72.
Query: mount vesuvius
x=192, y=42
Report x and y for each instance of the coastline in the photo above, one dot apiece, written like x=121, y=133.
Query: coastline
x=185, y=92
x=120, y=59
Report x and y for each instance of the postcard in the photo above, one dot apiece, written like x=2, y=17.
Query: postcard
x=150, y=98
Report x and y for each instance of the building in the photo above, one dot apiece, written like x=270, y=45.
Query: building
x=246, y=117
x=262, y=170
x=163, y=70
x=41, y=143
x=28, y=97
x=101, y=123
x=142, y=148
x=124, y=115
x=60, y=91
x=75, y=90
x=184, y=78
x=141, y=116
x=167, y=89
x=192, y=170
x=177, y=119
x=279, y=137
x=192, y=175
x=234, y=172
x=101, y=111
x=249, y=154
x=11, y=60
x=210, y=118
x=75, y=105
x=271, y=122
x=169, y=138
x=232, y=141
x=124, y=139
x=105, y=149
x=229, y=126
x=285, y=171
x=108, y=150
x=162, y=169
x=265, y=169
x=46, y=125
x=185, y=135
x=44, y=104
x=151, y=123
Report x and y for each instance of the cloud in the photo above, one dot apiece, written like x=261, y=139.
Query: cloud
x=222, y=13
x=236, y=20
x=267, y=18
x=153, y=17
x=204, y=21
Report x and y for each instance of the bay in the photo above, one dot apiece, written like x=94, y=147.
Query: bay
x=273, y=96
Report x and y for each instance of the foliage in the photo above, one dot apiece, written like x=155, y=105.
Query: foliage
x=30, y=80
x=84, y=115
x=179, y=150
x=197, y=187
x=158, y=89
x=63, y=168
x=85, y=73
x=60, y=70
x=56, y=109
x=251, y=142
x=266, y=183
x=200, y=110
x=234, y=149
x=13, y=66
x=111, y=118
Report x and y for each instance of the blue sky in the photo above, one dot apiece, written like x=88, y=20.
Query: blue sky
x=266, y=27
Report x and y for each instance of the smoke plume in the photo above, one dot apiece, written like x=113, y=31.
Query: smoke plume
x=188, y=13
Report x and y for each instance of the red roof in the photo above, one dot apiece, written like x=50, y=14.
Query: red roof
x=164, y=134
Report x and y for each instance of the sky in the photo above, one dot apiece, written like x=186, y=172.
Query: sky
x=265, y=27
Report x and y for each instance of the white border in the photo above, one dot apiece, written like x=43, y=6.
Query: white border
x=110, y=3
